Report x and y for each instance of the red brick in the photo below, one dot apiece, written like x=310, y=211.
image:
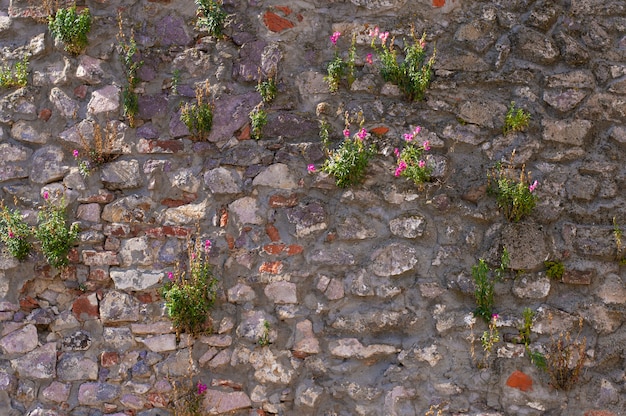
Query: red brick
x=272, y=232
x=272, y=267
x=280, y=201
x=521, y=381
x=109, y=359
x=285, y=9
x=86, y=307
x=294, y=249
x=100, y=258
x=173, y=231
x=599, y=413
x=439, y=3
x=274, y=249
x=45, y=114
x=275, y=23
x=245, y=133
x=230, y=241
x=28, y=303
x=379, y=131
x=578, y=277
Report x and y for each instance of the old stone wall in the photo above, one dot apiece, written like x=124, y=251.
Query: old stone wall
x=367, y=290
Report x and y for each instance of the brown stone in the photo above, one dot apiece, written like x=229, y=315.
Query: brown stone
x=275, y=23
x=578, y=277
x=272, y=232
x=86, y=307
x=109, y=359
x=80, y=91
x=521, y=381
x=280, y=201
x=274, y=249
x=28, y=303
x=100, y=258
x=294, y=249
x=272, y=267
x=45, y=114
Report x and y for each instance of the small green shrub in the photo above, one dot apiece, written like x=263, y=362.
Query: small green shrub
x=267, y=89
x=258, y=120
x=484, y=282
x=411, y=161
x=71, y=28
x=14, y=232
x=198, y=117
x=335, y=71
x=264, y=338
x=54, y=234
x=554, y=269
x=190, y=294
x=348, y=162
x=536, y=357
x=213, y=16
x=128, y=55
x=564, y=359
x=516, y=119
x=411, y=74
x=16, y=75
x=190, y=402
x=515, y=197
x=97, y=151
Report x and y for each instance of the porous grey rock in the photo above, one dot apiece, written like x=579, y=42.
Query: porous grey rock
x=536, y=46
x=29, y=132
x=408, y=226
x=309, y=218
x=20, y=341
x=270, y=367
x=90, y=70
x=47, y=165
x=186, y=214
x=98, y=393
x=38, y=364
x=352, y=348
x=571, y=132
x=223, y=181
x=118, y=339
x=132, y=208
x=354, y=228
x=531, y=286
x=217, y=402
x=393, y=260
x=118, y=306
x=133, y=279
x=74, y=367
x=282, y=292
x=122, y=174
x=104, y=101
x=67, y=107
x=275, y=176
x=526, y=246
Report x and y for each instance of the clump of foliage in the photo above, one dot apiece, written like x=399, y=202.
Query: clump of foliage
x=14, y=232
x=411, y=161
x=258, y=120
x=617, y=236
x=348, y=162
x=484, y=282
x=71, y=28
x=554, y=269
x=53, y=232
x=337, y=67
x=198, y=117
x=515, y=197
x=490, y=338
x=212, y=16
x=15, y=75
x=264, y=338
x=516, y=119
x=564, y=358
x=190, y=403
x=412, y=74
x=536, y=357
x=97, y=151
x=190, y=294
x=267, y=89
x=128, y=54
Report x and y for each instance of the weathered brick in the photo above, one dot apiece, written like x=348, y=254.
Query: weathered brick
x=280, y=201
x=274, y=249
x=578, y=277
x=273, y=267
x=100, y=258
x=272, y=232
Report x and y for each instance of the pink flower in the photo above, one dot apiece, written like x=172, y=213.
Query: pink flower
x=401, y=168
x=421, y=164
x=193, y=256
x=346, y=133
x=532, y=187
x=46, y=195
x=408, y=137
x=201, y=388
x=396, y=152
x=426, y=145
x=495, y=316
x=369, y=59
x=417, y=130
x=207, y=245
x=374, y=33
x=170, y=276
x=362, y=134
x=11, y=235
x=383, y=37
x=75, y=153
x=335, y=37
x=310, y=168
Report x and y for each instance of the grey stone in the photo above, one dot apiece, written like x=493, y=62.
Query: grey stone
x=28, y=132
x=353, y=228
x=47, y=165
x=282, y=292
x=233, y=115
x=308, y=395
x=612, y=290
x=305, y=341
x=275, y=176
x=270, y=367
x=152, y=106
x=393, y=260
x=482, y=113
x=90, y=70
x=56, y=392
x=96, y=394
x=133, y=279
x=370, y=321
x=172, y=30
x=526, y=246
x=123, y=174
x=240, y=293
x=104, y=101
x=331, y=257
x=74, y=367
x=133, y=208
x=77, y=341
x=136, y=252
x=223, y=181
x=571, y=132
x=20, y=341
x=118, y=306
x=118, y=339
x=309, y=218
x=252, y=325
x=67, y=107
x=38, y=364
x=176, y=364
x=247, y=210
x=581, y=187
x=217, y=402
x=352, y=348
x=408, y=226
x=161, y=343
x=247, y=68
x=531, y=286
x=536, y=46
x=564, y=100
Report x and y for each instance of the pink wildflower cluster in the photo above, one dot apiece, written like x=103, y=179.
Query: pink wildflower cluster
x=401, y=167
x=532, y=187
x=362, y=134
x=207, y=246
x=310, y=168
x=201, y=388
x=335, y=37
x=75, y=153
x=376, y=33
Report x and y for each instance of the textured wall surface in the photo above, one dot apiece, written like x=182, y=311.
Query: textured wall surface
x=367, y=290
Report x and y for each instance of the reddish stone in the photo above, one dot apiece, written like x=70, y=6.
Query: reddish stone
x=109, y=358
x=230, y=241
x=73, y=255
x=100, y=258
x=144, y=297
x=45, y=114
x=118, y=230
x=275, y=23
x=98, y=274
x=521, y=381
x=157, y=400
x=299, y=354
x=28, y=303
x=578, y=277
x=330, y=237
x=300, y=17
x=245, y=133
x=226, y=383
x=279, y=201
x=173, y=203
x=272, y=267
x=160, y=146
x=599, y=413
x=223, y=218
x=285, y=9
x=274, y=249
x=80, y=91
x=379, y=131
x=173, y=231
x=112, y=244
x=272, y=232
x=102, y=197
x=294, y=249
x=439, y=3
x=85, y=307
x=44, y=271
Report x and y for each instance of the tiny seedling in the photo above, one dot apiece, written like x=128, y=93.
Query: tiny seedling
x=264, y=338
x=516, y=119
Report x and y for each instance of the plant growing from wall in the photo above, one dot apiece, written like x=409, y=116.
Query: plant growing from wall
x=258, y=120
x=71, y=28
x=15, y=75
x=412, y=74
x=411, y=161
x=190, y=294
x=554, y=269
x=484, y=282
x=54, y=234
x=516, y=119
x=267, y=88
x=96, y=152
x=515, y=196
x=335, y=68
x=617, y=236
x=347, y=163
x=536, y=357
x=129, y=57
x=264, y=338
x=489, y=339
x=198, y=117
x=14, y=232
x=565, y=357
x=212, y=17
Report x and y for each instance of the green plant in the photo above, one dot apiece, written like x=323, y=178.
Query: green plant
x=413, y=73
x=411, y=162
x=336, y=67
x=516, y=119
x=351, y=61
x=98, y=151
x=536, y=357
x=515, y=197
x=54, y=234
x=175, y=80
x=264, y=338
x=128, y=55
x=617, y=236
x=198, y=117
x=325, y=133
x=554, y=269
x=14, y=232
x=189, y=403
x=16, y=75
x=190, y=294
x=484, y=282
x=565, y=357
x=258, y=120
x=490, y=338
x=71, y=28
x=267, y=89
x=213, y=16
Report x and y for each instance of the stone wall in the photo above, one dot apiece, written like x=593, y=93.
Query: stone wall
x=367, y=290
